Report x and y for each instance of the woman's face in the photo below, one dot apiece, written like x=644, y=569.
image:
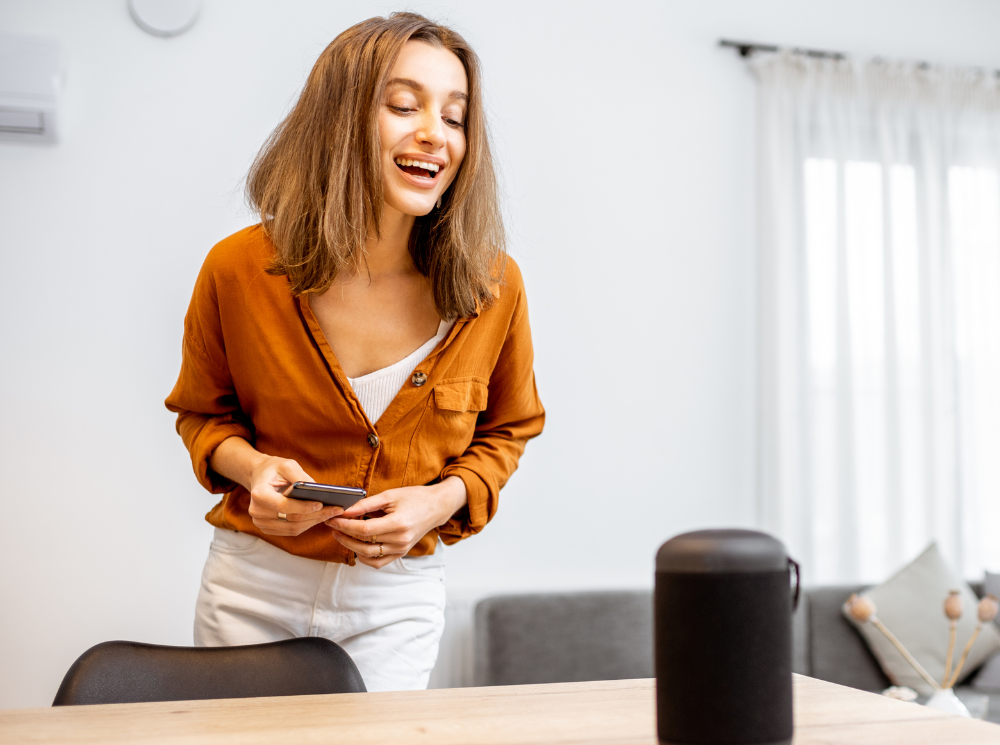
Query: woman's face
x=421, y=127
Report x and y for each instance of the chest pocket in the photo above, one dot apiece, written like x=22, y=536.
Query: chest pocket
x=461, y=395
x=446, y=428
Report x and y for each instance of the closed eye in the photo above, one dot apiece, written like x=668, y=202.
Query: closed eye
x=454, y=123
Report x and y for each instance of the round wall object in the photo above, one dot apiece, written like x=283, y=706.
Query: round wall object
x=164, y=17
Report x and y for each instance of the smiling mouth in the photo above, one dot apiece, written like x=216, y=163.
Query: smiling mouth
x=418, y=168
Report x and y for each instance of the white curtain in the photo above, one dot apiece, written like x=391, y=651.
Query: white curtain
x=879, y=292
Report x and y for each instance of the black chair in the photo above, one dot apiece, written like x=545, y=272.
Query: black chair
x=130, y=672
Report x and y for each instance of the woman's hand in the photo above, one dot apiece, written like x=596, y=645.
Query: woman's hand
x=269, y=478
x=410, y=513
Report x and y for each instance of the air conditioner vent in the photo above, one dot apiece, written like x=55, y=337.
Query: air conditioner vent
x=29, y=88
x=24, y=122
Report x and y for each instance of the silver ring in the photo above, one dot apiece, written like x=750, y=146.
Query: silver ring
x=283, y=517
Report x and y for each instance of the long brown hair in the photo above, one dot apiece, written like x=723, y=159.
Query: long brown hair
x=317, y=182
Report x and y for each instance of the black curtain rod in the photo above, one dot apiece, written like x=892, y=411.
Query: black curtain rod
x=746, y=48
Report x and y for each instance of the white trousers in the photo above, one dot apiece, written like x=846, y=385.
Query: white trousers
x=388, y=620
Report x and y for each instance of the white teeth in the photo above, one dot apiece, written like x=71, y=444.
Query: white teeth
x=433, y=167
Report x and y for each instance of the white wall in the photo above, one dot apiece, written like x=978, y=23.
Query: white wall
x=626, y=138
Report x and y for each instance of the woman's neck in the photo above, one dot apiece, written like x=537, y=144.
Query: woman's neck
x=389, y=254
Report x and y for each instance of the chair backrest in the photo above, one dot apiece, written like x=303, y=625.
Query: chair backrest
x=563, y=637
x=122, y=672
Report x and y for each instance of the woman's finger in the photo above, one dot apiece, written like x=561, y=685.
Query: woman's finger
x=268, y=507
x=369, y=504
x=378, y=563
x=272, y=501
x=274, y=526
x=306, y=510
x=368, y=549
x=365, y=529
x=272, y=483
x=291, y=471
x=326, y=513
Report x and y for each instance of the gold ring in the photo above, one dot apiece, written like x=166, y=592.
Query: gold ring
x=374, y=539
x=283, y=517
x=381, y=551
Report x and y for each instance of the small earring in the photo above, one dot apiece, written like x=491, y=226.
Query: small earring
x=439, y=202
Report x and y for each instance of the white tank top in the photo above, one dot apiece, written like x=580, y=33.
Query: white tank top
x=377, y=389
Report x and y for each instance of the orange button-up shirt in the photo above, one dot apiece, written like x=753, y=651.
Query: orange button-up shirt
x=256, y=365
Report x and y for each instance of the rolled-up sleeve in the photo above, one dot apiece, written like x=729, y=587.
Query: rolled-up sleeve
x=513, y=415
x=204, y=398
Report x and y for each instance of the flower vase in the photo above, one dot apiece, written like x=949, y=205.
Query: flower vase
x=946, y=700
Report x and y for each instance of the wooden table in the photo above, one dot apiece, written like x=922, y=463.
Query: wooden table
x=599, y=713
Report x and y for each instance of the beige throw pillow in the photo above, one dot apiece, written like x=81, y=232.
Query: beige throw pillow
x=911, y=605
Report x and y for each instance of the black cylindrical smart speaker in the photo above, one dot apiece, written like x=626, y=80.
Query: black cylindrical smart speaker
x=724, y=639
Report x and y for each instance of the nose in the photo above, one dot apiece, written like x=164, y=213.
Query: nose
x=431, y=130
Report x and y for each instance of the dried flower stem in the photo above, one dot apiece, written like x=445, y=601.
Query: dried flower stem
x=961, y=660
x=951, y=652
x=906, y=655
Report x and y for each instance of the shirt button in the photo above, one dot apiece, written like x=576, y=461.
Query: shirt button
x=373, y=439
x=419, y=379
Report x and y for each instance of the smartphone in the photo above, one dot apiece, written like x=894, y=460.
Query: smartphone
x=341, y=496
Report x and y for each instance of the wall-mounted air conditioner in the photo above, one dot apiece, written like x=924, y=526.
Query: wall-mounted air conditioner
x=30, y=78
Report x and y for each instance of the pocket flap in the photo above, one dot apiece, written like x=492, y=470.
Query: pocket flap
x=461, y=395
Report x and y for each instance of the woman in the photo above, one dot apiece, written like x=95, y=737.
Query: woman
x=370, y=332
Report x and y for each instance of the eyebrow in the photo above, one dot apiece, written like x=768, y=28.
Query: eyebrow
x=414, y=85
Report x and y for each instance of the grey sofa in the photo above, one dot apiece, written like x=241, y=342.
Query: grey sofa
x=565, y=637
